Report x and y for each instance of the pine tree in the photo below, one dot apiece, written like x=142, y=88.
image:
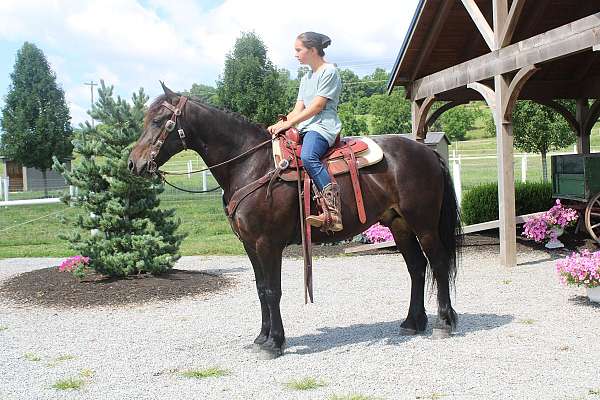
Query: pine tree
x=35, y=118
x=251, y=84
x=131, y=234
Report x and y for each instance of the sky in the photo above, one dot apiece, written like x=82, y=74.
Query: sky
x=135, y=43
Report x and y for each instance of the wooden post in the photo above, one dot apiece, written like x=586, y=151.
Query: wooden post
x=583, y=134
x=506, y=175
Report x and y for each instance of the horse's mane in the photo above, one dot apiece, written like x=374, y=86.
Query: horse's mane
x=157, y=104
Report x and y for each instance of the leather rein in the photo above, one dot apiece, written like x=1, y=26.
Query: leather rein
x=170, y=125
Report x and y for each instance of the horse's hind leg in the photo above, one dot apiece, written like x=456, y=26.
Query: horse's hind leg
x=407, y=244
x=439, y=260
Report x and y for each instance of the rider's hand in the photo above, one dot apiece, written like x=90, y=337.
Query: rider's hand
x=280, y=126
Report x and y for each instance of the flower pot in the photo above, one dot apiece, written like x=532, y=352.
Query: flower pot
x=554, y=243
x=593, y=294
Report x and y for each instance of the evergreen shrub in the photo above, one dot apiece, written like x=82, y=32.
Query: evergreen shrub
x=480, y=204
x=123, y=231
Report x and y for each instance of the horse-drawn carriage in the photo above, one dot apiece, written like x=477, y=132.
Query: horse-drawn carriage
x=576, y=181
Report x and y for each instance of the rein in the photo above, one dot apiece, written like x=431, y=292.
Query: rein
x=170, y=126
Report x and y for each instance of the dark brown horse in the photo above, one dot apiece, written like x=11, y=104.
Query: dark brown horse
x=409, y=191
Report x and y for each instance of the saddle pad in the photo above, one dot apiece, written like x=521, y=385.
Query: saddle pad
x=372, y=155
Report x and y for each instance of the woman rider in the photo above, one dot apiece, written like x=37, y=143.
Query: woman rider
x=315, y=115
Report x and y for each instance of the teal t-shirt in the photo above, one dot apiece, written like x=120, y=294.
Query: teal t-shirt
x=325, y=82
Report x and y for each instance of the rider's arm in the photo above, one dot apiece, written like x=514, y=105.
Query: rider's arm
x=315, y=107
x=297, y=109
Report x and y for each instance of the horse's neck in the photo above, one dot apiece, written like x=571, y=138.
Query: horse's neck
x=222, y=139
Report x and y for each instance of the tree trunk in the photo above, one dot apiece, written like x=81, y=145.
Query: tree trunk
x=45, y=183
x=544, y=168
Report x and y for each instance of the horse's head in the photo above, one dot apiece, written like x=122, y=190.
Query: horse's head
x=163, y=135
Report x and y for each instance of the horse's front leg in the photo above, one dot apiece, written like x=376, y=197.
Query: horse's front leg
x=265, y=326
x=269, y=255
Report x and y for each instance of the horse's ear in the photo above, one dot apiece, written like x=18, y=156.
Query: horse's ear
x=167, y=91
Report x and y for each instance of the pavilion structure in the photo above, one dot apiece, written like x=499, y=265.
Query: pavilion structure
x=500, y=51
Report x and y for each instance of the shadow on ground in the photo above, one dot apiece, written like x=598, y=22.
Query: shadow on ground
x=331, y=338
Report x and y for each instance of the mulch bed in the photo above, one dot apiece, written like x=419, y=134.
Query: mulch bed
x=51, y=288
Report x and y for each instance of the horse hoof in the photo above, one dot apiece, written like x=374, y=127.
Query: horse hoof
x=408, y=331
x=252, y=347
x=440, y=333
x=269, y=353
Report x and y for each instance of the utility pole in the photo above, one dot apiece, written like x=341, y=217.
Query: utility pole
x=91, y=84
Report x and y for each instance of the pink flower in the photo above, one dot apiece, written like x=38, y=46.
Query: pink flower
x=540, y=227
x=580, y=269
x=378, y=233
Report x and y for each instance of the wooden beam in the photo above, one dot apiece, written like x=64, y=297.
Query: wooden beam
x=562, y=110
x=434, y=33
x=592, y=116
x=563, y=41
x=506, y=176
x=511, y=23
x=486, y=92
x=419, y=117
x=514, y=90
x=480, y=22
x=583, y=114
x=437, y=113
x=500, y=14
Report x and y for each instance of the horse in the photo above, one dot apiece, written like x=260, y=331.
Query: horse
x=410, y=191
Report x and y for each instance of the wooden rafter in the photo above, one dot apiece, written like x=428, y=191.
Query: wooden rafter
x=480, y=22
x=511, y=23
x=562, y=110
x=433, y=36
x=438, y=112
x=514, y=89
x=486, y=92
x=562, y=41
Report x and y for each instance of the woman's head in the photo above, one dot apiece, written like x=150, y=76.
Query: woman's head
x=310, y=44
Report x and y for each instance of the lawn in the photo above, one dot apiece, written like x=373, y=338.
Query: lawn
x=202, y=219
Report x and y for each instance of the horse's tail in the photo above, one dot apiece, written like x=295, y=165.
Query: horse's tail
x=450, y=228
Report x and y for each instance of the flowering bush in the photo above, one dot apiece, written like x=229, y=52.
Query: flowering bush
x=378, y=233
x=540, y=227
x=580, y=269
x=76, y=265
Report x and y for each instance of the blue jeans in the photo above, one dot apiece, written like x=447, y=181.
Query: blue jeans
x=314, y=146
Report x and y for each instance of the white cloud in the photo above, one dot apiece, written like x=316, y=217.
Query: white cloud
x=130, y=45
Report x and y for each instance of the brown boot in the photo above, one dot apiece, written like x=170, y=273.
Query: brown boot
x=331, y=217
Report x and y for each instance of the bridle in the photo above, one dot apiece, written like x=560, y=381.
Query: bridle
x=169, y=127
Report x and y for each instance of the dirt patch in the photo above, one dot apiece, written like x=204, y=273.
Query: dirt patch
x=51, y=288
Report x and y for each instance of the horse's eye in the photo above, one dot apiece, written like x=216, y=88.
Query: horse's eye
x=156, y=121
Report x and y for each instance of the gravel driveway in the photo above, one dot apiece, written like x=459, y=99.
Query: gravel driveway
x=520, y=335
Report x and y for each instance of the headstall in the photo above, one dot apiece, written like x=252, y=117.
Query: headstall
x=169, y=127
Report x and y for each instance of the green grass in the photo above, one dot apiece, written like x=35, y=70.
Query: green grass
x=3, y=328
x=61, y=359
x=203, y=220
x=526, y=321
x=214, y=372
x=307, y=383
x=31, y=357
x=68, y=384
x=87, y=373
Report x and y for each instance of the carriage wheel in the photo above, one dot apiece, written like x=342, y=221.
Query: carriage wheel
x=592, y=217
